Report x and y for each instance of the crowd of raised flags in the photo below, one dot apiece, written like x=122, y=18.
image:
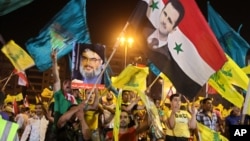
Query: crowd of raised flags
x=220, y=53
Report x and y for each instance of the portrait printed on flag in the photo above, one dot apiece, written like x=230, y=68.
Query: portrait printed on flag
x=179, y=42
x=168, y=17
x=87, y=64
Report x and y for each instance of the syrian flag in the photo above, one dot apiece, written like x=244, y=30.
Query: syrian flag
x=187, y=55
x=22, y=78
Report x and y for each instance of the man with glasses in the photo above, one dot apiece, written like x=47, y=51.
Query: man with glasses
x=89, y=59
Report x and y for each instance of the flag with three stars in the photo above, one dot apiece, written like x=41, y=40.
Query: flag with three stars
x=190, y=53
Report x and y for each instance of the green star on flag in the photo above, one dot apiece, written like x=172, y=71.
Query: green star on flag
x=178, y=47
x=154, y=5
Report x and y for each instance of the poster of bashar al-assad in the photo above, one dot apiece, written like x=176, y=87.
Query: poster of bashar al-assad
x=87, y=65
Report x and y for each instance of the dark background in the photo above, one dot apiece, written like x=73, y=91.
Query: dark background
x=106, y=18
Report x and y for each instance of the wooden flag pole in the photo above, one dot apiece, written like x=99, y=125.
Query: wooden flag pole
x=149, y=87
x=8, y=79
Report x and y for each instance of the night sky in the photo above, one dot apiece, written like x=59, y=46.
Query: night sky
x=106, y=18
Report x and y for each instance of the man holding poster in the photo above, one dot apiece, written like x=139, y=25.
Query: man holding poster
x=88, y=60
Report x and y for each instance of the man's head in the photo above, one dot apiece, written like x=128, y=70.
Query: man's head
x=90, y=95
x=125, y=96
x=91, y=64
x=109, y=96
x=207, y=104
x=124, y=119
x=175, y=100
x=66, y=86
x=170, y=17
x=39, y=109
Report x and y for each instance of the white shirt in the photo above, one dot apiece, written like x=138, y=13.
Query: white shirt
x=36, y=128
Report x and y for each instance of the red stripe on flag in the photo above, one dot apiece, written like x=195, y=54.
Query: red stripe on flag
x=202, y=36
x=22, y=80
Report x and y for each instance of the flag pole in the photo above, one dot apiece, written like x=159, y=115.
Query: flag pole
x=206, y=90
x=149, y=87
x=245, y=109
x=8, y=79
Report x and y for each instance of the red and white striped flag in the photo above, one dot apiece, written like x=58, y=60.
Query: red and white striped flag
x=22, y=80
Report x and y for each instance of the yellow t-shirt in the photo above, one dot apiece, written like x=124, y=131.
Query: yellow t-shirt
x=91, y=118
x=181, y=128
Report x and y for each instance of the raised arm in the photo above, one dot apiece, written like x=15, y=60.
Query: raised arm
x=55, y=71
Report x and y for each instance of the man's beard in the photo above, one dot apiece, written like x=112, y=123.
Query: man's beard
x=92, y=74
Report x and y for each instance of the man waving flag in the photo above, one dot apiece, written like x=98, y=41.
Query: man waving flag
x=179, y=42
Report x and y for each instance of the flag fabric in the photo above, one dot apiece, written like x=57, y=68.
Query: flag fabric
x=210, y=90
x=206, y=134
x=246, y=105
x=225, y=80
x=22, y=78
x=117, y=116
x=157, y=72
x=25, y=101
x=246, y=69
x=11, y=98
x=7, y=6
x=47, y=93
x=19, y=58
x=68, y=26
x=185, y=57
x=235, y=74
x=231, y=41
x=108, y=83
x=15, y=107
x=132, y=77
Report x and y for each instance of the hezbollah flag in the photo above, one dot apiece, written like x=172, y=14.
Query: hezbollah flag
x=189, y=53
x=17, y=56
x=68, y=26
x=224, y=80
x=206, y=134
x=246, y=69
x=131, y=77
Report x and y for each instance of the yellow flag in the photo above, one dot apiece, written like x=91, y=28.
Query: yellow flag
x=19, y=97
x=223, y=81
x=206, y=134
x=10, y=98
x=17, y=56
x=235, y=74
x=132, y=77
x=246, y=69
x=117, y=116
x=221, y=84
x=47, y=93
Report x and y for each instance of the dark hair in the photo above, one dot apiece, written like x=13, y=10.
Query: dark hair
x=174, y=95
x=179, y=7
x=206, y=99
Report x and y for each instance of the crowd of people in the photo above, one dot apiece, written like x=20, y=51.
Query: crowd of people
x=91, y=117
